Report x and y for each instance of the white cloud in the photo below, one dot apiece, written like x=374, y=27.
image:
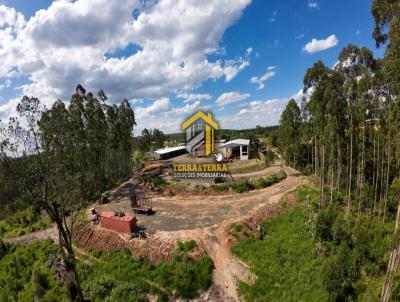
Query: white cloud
x=190, y=97
x=260, y=80
x=163, y=115
x=265, y=113
x=249, y=50
x=320, y=45
x=233, y=67
x=271, y=19
x=358, y=32
x=312, y=4
x=231, y=97
x=158, y=106
x=301, y=36
x=73, y=42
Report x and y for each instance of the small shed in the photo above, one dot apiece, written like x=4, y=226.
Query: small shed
x=119, y=222
x=238, y=148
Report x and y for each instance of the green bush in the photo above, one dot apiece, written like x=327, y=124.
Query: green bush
x=356, y=257
x=242, y=186
x=101, y=287
x=220, y=187
x=128, y=293
x=97, y=253
x=155, y=181
x=23, y=222
x=324, y=223
x=199, y=187
x=340, y=274
x=186, y=246
x=396, y=289
x=248, y=185
x=24, y=275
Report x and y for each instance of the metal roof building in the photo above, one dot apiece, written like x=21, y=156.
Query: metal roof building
x=237, y=148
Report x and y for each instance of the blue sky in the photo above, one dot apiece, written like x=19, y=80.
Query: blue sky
x=241, y=59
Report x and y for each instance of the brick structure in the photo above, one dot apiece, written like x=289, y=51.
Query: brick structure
x=125, y=224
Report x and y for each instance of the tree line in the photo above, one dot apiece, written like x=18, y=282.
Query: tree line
x=347, y=133
x=61, y=158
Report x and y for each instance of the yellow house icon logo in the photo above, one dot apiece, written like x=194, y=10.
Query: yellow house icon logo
x=199, y=130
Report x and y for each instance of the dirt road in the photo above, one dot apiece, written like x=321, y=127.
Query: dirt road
x=199, y=211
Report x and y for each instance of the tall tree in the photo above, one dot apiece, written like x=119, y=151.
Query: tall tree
x=289, y=126
x=70, y=155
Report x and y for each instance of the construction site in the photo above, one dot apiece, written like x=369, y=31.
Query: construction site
x=149, y=220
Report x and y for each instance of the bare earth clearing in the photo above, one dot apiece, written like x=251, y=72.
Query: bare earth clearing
x=175, y=213
x=203, y=218
x=206, y=219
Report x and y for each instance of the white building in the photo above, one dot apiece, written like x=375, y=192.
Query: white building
x=238, y=148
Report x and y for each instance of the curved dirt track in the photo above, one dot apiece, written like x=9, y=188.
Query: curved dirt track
x=174, y=213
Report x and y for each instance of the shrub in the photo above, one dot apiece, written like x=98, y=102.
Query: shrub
x=128, y=293
x=22, y=222
x=243, y=186
x=40, y=283
x=324, y=223
x=247, y=185
x=128, y=276
x=101, y=287
x=220, y=187
x=24, y=275
x=155, y=181
x=187, y=246
x=340, y=273
x=97, y=253
x=199, y=187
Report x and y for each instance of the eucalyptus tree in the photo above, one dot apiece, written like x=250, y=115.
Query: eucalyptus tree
x=43, y=138
x=316, y=79
x=70, y=155
x=289, y=126
x=354, y=64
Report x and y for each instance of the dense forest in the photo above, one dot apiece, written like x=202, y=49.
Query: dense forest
x=347, y=135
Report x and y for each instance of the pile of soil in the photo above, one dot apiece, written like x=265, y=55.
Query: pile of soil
x=154, y=248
